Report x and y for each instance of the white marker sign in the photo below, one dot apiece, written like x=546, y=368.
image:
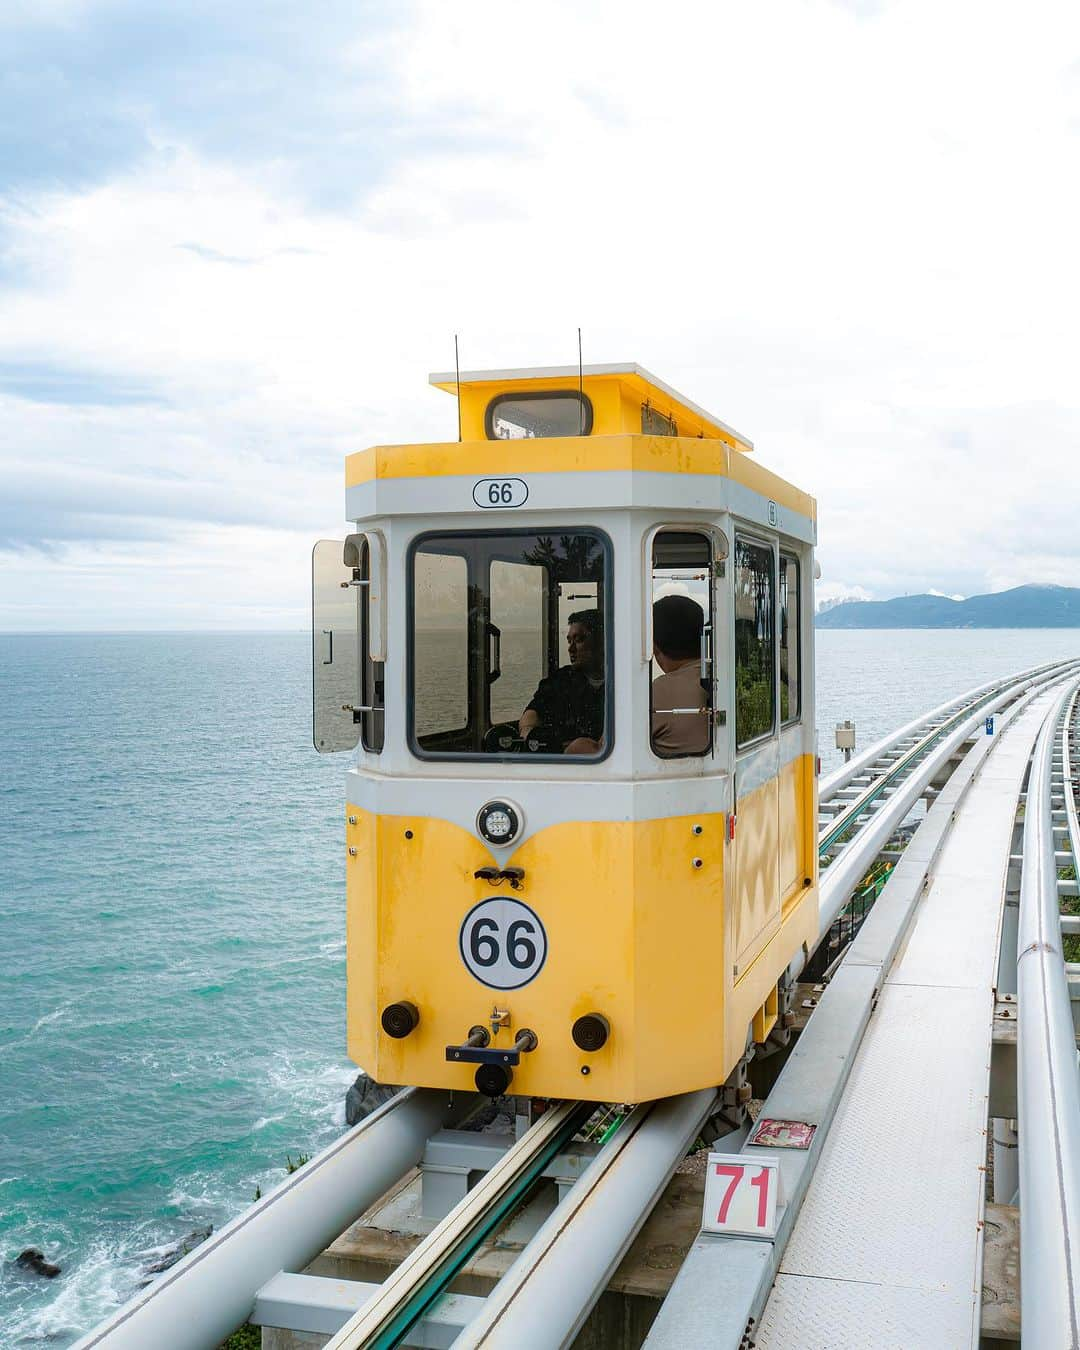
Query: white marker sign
x=742, y=1192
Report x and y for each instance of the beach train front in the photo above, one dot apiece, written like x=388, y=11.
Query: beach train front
x=573, y=654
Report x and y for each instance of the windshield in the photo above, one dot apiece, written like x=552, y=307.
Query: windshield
x=510, y=639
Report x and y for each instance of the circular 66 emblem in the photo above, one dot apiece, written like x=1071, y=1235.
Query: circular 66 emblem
x=503, y=943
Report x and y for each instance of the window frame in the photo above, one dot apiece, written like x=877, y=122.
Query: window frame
x=479, y=757
x=507, y=396
x=790, y=556
x=708, y=534
x=760, y=541
x=372, y=569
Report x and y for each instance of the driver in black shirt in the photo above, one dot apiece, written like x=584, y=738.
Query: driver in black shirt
x=571, y=701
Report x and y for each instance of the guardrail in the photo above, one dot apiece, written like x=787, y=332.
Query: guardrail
x=1048, y=1088
x=842, y=878
x=834, y=782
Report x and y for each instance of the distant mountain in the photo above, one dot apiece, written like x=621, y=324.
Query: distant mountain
x=1022, y=607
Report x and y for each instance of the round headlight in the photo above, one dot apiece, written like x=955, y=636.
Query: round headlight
x=499, y=823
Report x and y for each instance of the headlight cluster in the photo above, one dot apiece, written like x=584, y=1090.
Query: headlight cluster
x=499, y=823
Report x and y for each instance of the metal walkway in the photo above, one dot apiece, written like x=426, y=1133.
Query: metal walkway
x=890, y=1232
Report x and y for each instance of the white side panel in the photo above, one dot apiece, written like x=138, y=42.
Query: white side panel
x=452, y=494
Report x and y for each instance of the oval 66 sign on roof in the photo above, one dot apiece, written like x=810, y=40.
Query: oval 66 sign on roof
x=490, y=493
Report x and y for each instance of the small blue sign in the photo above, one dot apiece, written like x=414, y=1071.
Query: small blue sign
x=989, y=726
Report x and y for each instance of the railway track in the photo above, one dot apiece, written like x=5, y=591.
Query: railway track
x=558, y=1277
x=853, y=799
x=862, y=803
x=848, y=795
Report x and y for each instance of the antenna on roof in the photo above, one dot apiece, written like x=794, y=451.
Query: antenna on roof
x=580, y=383
x=457, y=386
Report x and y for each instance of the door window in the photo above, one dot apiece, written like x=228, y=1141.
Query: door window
x=680, y=712
x=755, y=692
x=790, y=693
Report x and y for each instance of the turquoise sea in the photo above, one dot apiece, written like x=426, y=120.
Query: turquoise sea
x=172, y=975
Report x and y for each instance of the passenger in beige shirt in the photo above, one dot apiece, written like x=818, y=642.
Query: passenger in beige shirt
x=680, y=723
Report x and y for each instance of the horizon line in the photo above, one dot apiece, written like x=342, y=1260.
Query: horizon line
x=145, y=632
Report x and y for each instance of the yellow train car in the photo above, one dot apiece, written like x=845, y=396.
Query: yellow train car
x=573, y=654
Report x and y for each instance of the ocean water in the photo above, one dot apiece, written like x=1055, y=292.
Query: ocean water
x=881, y=679
x=172, y=975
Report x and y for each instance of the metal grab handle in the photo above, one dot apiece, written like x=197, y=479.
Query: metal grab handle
x=356, y=708
x=706, y=656
x=492, y=630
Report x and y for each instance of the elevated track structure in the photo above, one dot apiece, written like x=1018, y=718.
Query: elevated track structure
x=938, y=1040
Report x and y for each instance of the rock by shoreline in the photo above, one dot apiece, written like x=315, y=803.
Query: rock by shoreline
x=33, y=1260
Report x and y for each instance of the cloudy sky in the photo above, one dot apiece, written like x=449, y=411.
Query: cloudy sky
x=235, y=238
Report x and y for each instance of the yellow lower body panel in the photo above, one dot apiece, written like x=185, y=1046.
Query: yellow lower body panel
x=612, y=918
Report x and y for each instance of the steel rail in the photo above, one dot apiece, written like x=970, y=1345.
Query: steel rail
x=845, y=819
x=546, y=1295
x=424, y=1274
x=1068, y=782
x=864, y=761
x=208, y=1294
x=841, y=879
x=1048, y=1089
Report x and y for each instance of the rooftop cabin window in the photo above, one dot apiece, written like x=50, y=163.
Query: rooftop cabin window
x=510, y=645
x=654, y=423
x=512, y=417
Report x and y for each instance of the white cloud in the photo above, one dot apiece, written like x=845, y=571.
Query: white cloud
x=846, y=230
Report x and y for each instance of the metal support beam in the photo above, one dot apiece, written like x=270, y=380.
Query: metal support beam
x=1003, y=1063
x=452, y=1157
x=318, y=1305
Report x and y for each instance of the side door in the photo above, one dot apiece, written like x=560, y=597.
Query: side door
x=757, y=898
x=348, y=642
